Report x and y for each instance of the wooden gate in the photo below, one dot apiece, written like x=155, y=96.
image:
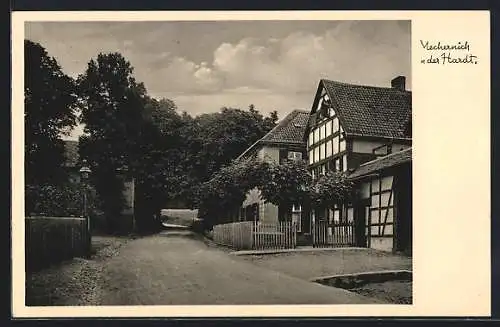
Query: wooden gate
x=333, y=234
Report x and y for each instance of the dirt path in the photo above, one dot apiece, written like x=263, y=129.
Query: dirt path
x=178, y=269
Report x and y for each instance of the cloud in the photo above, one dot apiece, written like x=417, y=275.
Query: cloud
x=201, y=66
x=351, y=52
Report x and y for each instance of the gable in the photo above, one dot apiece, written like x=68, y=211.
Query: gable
x=366, y=110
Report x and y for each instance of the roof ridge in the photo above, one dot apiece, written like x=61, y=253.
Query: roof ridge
x=282, y=123
x=384, y=157
x=363, y=85
x=289, y=117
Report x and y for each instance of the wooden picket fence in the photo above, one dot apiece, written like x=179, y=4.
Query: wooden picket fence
x=334, y=234
x=250, y=235
x=236, y=235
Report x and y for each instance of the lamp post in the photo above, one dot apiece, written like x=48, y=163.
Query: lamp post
x=84, y=174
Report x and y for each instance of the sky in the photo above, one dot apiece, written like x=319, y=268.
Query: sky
x=205, y=65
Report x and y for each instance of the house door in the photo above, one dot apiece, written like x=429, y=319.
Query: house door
x=360, y=224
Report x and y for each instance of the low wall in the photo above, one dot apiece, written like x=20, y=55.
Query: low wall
x=50, y=240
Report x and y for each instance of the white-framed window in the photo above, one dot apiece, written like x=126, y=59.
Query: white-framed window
x=294, y=155
x=311, y=157
x=316, y=135
x=322, y=151
x=311, y=138
x=344, y=163
x=321, y=132
x=316, y=154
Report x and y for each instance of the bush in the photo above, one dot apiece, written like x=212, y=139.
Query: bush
x=58, y=200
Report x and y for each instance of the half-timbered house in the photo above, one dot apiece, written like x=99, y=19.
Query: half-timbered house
x=351, y=126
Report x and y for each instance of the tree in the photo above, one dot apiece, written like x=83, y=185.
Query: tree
x=223, y=194
x=287, y=184
x=217, y=138
x=49, y=112
x=160, y=175
x=113, y=116
x=333, y=188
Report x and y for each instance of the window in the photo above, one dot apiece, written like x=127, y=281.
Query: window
x=328, y=149
x=316, y=154
x=296, y=217
x=311, y=138
x=311, y=157
x=335, y=145
x=322, y=151
x=322, y=132
x=316, y=135
x=323, y=128
x=328, y=127
x=344, y=163
x=293, y=155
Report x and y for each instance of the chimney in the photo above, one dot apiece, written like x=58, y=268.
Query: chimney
x=399, y=83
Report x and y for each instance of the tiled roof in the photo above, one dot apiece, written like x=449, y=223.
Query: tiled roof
x=391, y=160
x=290, y=130
x=371, y=111
x=71, y=153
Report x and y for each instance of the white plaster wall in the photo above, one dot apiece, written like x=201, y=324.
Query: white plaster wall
x=381, y=243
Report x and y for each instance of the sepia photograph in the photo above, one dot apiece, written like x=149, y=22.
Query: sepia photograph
x=218, y=162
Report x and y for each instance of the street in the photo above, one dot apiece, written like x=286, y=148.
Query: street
x=177, y=268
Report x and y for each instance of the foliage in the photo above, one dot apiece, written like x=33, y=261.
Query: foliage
x=170, y=154
x=113, y=117
x=49, y=111
x=330, y=189
x=288, y=184
x=281, y=184
x=226, y=190
x=215, y=139
x=65, y=200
